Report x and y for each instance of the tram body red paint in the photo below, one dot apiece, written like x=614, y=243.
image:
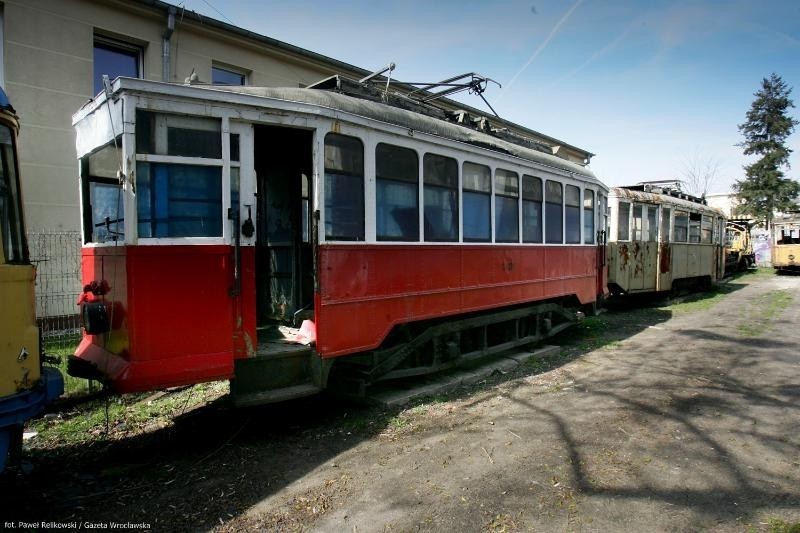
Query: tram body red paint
x=365, y=290
x=174, y=321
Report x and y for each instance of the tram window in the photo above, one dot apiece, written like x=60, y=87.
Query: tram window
x=665, y=214
x=235, y=147
x=102, y=196
x=602, y=204
x=572, y=200
x=652, y=223
x=477, y=196
x=624, y=222
x=178, y=200
x=344, y=188
x=440, y=176
x=694, y=227
x=305, y=207
x=554, y=212
x=680, y=233
x=706, y=229
x=506, y=206
x=531, y=209
x=588, y=216
x=164, y=134
x=11, y=225
x=396, y=193
x=638, y=223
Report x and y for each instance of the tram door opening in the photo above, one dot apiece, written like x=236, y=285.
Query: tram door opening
x=284, y=269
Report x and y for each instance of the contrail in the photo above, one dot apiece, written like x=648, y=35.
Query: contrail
x=542, y=46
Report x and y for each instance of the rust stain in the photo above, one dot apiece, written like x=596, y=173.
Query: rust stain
x=624, y=256
x=665, y=258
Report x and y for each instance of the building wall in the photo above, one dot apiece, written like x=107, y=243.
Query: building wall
x=48, y=72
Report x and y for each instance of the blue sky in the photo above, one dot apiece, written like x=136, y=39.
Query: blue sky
x=646, y=85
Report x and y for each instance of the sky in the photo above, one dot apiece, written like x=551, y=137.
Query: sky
x=649, y=86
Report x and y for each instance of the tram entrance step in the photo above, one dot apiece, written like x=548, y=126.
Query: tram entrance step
x=400, y=392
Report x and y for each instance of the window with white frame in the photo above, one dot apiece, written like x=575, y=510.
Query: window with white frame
x=396, y=193
x=440, y=178
x=531, y=209
x=178, y=175
x=506, y=206
x=476, y=196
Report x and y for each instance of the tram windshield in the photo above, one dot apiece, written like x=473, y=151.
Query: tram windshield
x=11, y=225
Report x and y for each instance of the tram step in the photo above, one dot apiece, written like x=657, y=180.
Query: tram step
x=275, y=395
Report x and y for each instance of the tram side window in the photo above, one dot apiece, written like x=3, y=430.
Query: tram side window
x=13, y=233
x=174, y=200
x=104, y=213
x=554, y=212
x=344, y=188
x=440, y=176
x=680, y=232
x=397, y=193
x=652, y=223
x=638, y=224
x=165, y=134
x=506, y=206
x=665, y=215
x=694, y=227
x=588, y=216
x=572, y=201
x=624, y=222
x=706, y=229
x=531, y=209
x=477, y=196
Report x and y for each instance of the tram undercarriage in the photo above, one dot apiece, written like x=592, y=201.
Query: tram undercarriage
x=284, y=371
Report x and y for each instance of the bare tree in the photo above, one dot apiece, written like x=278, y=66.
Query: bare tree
x=700, y=173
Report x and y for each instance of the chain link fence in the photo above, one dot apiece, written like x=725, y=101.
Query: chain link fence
x=57, y=256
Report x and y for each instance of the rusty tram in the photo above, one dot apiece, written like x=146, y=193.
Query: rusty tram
x=661, y=239
x=402, y=238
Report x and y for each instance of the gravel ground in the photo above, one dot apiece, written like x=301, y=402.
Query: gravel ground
x=672, y=418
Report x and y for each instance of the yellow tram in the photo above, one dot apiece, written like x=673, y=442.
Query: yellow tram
x=786, y=249
x=661, y=239
x=25, y=386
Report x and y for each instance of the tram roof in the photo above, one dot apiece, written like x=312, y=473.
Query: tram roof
x=656, y=195
x=337, y=103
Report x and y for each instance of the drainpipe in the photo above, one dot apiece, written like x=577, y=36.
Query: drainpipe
x=165, y=44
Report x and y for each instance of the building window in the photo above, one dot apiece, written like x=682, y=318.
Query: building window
x=531, y=209
x=115, y=58
x=344, y=188
x=227, y=76
x=588, y=216
x=554, y=212
x=396, y=193
x=506, y=206
x=573, y=214
x=440, y=176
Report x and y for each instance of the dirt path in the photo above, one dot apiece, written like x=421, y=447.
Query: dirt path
x=681, y=419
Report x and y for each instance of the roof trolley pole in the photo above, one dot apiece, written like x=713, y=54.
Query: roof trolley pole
x=388, y=68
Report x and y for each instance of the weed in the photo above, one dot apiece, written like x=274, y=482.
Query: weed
x=776, y=525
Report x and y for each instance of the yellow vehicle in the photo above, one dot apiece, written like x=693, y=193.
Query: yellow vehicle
x=25, y=385
x=661, y=239
x=739, y=253
x=786, y=251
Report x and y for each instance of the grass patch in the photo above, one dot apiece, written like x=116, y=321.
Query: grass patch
x=776, y=525
x=114, y=417
x=62, y=348
x=763, y=312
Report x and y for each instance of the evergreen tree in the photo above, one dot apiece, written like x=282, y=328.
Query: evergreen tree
x=768, y=125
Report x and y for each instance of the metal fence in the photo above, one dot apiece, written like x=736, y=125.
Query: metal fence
x=57, y=256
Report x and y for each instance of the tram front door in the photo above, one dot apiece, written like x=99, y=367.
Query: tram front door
x=284, y=269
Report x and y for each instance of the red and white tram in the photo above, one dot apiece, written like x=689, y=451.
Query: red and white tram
x=405, y=241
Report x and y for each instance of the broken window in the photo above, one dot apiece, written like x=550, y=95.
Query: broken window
x=694, y=227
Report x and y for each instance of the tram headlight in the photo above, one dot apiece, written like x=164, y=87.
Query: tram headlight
x=94, y=316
